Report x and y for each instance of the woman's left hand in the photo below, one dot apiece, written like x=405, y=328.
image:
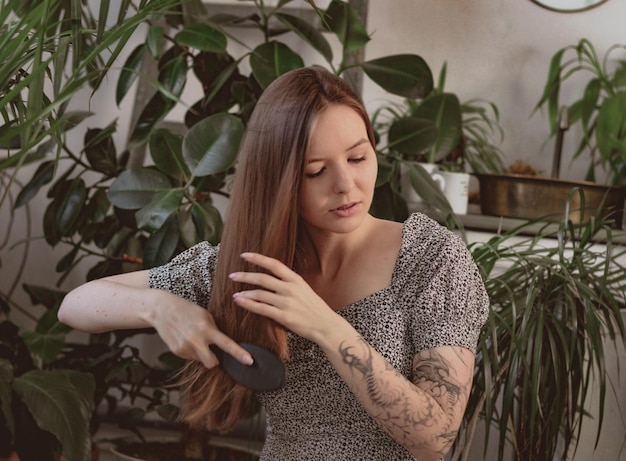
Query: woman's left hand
x=284, y=296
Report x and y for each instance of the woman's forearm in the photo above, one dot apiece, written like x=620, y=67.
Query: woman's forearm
x=414, y=418
x=104, y=305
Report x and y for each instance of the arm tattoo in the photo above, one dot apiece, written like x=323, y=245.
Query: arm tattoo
x=394, y=407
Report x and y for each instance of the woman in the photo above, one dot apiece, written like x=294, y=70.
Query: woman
x=376, y=321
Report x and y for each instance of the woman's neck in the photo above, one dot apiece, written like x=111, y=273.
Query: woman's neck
x=326, y=253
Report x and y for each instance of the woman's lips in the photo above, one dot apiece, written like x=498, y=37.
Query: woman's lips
x=346, y=210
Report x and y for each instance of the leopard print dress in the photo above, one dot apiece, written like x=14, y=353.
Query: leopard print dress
x=436, y=297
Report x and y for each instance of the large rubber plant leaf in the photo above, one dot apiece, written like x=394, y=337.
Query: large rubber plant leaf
x=342, y=20
x=155, y=111
x=271, y=60
x=211, y=145
x=130, y=72
x=406, y=75
x=42, y=176
x=163, y=204
x=61, y=402
x=444, y=110
x=173, y=77
x=70, y=207
x=207, y=221
x=100, y=149
x=308, y=33
x=412, y=137
x=203, y=37
x=166, y=150
x=161, y=245
x=135, y=188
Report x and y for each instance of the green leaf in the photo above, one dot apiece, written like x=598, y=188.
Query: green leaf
x=61, y=402
x=203, y=37
x=271, y=60
x=155, y=111
x=427, y=189
x=211, y=145
x=161, y=245
x=154, y=40
x=551, y=89
x=66, y=261
x=173, y=77
x=405, y=75
x=344, y=22
x=611, y=129
x=130, y=72
x=43, y=175
x=412, y=136
x=590, y=101
x=44, y=345
x=166, y=151
x=100, y=149
x=153, y=215
x=207, y=221
x=444, y=110
x=308, y=33
x=6, y=395
x=135, y=188
x=70, y=207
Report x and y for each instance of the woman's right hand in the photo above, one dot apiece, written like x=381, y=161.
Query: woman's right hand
x=188, y=330
x=125, y=301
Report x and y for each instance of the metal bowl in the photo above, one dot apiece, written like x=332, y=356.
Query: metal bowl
x=531, y=197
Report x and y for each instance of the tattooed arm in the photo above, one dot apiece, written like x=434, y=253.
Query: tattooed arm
x=423, y=415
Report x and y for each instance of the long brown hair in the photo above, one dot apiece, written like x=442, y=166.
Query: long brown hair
x=262, y=217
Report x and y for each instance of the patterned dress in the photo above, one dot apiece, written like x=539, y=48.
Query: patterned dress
x=436, y=298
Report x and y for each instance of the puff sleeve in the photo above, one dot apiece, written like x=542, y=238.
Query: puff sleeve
x=443, y=288
x=189, y=275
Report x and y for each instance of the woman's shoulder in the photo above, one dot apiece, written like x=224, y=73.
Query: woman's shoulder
x=426, y=240
x=189, y=274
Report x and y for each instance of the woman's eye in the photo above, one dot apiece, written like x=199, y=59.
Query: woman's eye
x=357, y=160
x=315, y=174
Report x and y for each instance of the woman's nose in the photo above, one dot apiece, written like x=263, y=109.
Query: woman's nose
x=344, y=180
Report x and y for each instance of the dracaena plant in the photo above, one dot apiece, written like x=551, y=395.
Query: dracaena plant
x=555, y=308
x=599, y=108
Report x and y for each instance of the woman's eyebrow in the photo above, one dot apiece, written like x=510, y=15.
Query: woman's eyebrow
x=353, y=146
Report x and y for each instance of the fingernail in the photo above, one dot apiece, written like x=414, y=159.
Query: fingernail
x=246, y=255
x=232, y=276
x=236, y=294
x=248, y=360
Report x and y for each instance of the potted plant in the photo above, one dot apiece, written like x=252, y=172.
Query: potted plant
x=557, y=302
x=599, y=111
x=43, y=400
x=425, y=136
x=129, y=218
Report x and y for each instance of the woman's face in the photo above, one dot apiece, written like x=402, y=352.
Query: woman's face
x=339, y=172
